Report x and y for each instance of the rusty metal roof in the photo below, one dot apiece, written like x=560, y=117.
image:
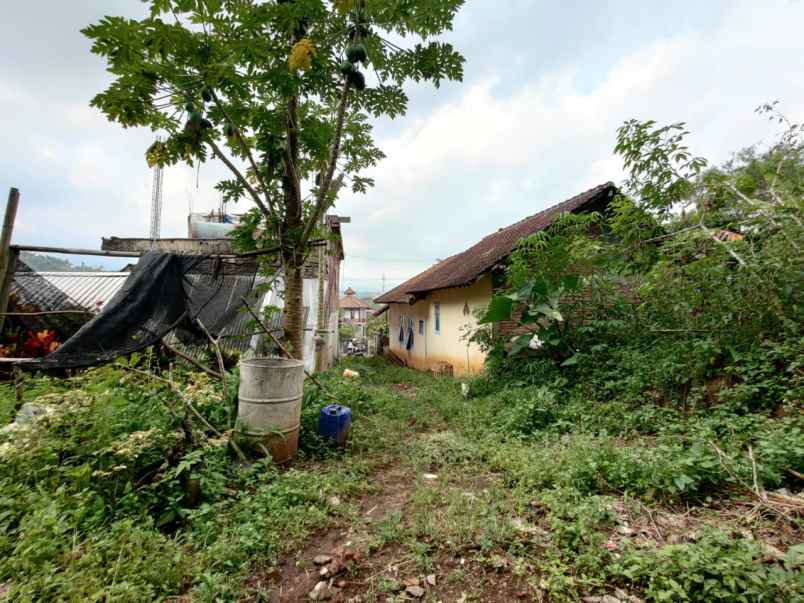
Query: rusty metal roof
x=465, y=267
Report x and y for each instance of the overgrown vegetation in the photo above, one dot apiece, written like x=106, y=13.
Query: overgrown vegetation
x=643, y=440
x=104, y=493
x=662, y=358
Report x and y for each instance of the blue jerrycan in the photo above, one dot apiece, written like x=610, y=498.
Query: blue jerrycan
x=334, y=422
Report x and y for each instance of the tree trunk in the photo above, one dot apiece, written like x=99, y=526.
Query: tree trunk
x=294, y=310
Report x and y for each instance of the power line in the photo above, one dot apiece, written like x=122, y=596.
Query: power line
x=399, y=260
x=372, y=278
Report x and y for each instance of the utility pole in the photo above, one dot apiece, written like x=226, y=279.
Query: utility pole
x=8, y=257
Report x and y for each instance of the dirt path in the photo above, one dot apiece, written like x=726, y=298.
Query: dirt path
x=379, y=554
x=336, y=557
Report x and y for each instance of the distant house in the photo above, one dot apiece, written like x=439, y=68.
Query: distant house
x=430, y=315
x=354, y=312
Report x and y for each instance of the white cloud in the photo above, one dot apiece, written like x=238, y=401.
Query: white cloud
x=534, y=123
x=486, y=160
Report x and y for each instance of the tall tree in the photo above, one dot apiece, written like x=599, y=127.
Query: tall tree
x=277, y=92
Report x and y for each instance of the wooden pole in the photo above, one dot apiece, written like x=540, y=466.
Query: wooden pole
x=8, y=261
x=320, y=332
x=74, y=251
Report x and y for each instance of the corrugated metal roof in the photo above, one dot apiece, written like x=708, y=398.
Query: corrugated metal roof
x=66, y=290
x=463, y=268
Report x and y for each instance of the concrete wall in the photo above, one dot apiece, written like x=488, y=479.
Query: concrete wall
x=458, y=306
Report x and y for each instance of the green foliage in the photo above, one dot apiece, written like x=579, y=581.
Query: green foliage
x=75, y=524
x=661, y=167
x=104, y=494
x=714, y=568
x=569, y=441
x=645, y=304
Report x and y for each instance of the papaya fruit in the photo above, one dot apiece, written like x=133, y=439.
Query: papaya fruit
x=189, y=106
x=357, y=80
x=347, y=67
x=356, y=53
x=194, y=120
x=357, y=32
x=344, y=6
x=229, y=130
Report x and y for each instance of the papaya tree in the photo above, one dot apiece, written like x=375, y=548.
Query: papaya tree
x=281, y=92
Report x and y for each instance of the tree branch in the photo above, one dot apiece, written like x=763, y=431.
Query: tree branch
x=242, y=140
x=192, y=361
x=219, y=154
x=326, y=184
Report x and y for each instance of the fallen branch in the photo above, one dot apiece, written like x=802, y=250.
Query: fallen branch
x=188, y=403
x=221, y=368
x=652, y=520
x=192, y=361
x=778, y=503
x=795, y=473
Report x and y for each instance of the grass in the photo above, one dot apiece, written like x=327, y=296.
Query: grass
x=505, y=493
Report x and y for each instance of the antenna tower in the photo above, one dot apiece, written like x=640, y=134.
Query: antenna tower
x=156, y=202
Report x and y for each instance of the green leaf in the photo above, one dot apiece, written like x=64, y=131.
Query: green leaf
x=520, y=343
x=499, y=309
x=548, y=311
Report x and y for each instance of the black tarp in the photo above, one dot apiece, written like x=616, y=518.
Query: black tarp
x=165, y=292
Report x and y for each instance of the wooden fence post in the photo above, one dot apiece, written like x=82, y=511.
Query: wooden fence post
x=8, y=258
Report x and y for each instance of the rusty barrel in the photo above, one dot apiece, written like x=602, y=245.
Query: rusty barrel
x=269, y=406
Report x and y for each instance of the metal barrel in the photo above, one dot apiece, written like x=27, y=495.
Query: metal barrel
x=269, y=406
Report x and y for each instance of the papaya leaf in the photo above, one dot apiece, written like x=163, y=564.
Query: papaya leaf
x=499, y=309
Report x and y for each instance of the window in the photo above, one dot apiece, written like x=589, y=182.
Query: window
x=437, y=311
x=421, y=327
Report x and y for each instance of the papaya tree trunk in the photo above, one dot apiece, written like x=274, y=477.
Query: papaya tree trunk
x=294, y=310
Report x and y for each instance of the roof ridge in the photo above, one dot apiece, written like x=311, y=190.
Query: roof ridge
x=549, y=209
x=465, y=266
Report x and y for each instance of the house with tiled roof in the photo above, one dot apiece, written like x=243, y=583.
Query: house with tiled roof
x=430, y=315
x=354, y=312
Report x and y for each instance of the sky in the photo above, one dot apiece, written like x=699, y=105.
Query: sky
x=533, y=122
